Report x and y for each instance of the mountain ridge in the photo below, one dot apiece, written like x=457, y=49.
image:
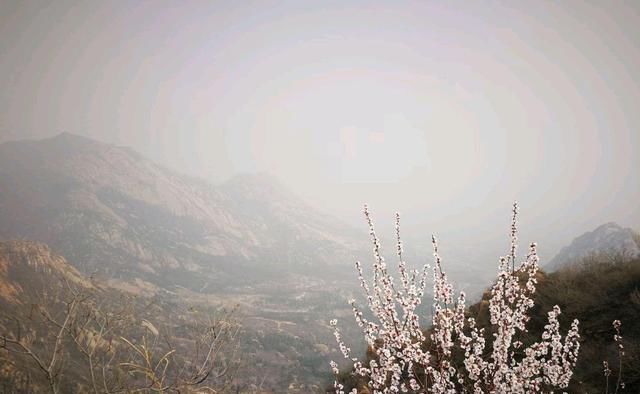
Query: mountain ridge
x=608, y=238
x=110, y=210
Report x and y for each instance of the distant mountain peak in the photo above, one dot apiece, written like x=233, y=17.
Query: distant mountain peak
x=607, y=238
x=67, y=134
x=609, y=228
x=75, y=139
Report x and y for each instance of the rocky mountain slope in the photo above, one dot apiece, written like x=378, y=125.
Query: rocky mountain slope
x=29, y=269
x=61, y=329
x=282, y=343
x=609, y=238
x=115, y=214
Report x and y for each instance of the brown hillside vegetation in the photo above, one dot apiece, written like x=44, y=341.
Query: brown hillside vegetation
x=62, y=333
x=596, y=292
x=21, y=260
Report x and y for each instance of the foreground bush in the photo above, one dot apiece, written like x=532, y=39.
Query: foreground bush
x=81, y=340
x=457, y=355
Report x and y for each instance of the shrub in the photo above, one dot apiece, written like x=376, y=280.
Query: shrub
x=456, y=355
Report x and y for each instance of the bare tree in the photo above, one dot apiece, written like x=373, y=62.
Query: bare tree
x=122, y=351
x=207, y=358
x=49, y=353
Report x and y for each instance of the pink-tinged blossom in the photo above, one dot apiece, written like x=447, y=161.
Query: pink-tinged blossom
x=403, y=363
x=617, y=337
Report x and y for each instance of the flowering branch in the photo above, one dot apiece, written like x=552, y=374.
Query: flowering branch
x=457, y=358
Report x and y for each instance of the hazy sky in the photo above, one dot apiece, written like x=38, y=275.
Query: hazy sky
x=446, y=111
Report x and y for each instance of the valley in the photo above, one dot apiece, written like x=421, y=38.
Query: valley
x=175, y=247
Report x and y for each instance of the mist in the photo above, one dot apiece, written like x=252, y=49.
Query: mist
x=444, y=112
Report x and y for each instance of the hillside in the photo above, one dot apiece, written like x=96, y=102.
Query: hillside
x=113, y=213
x=141, y=230
x=596, y=292
x=62, y=332
x=29, y=269
x=277, y=344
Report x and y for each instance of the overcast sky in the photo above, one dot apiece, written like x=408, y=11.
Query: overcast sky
x=446, y=111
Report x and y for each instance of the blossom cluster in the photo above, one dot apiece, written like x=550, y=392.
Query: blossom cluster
x=456, y=355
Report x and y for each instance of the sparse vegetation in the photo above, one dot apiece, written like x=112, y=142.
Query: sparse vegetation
x=486, y=347
x=81, y=337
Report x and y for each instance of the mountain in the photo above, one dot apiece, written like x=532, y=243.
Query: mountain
x=140, y=230
x=609, y=238
x=29, y=269
x=115, y=214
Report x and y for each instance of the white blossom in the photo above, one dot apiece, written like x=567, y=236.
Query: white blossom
x=403, y=362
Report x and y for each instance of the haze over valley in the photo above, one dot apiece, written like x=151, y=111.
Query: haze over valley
x=182, y=183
